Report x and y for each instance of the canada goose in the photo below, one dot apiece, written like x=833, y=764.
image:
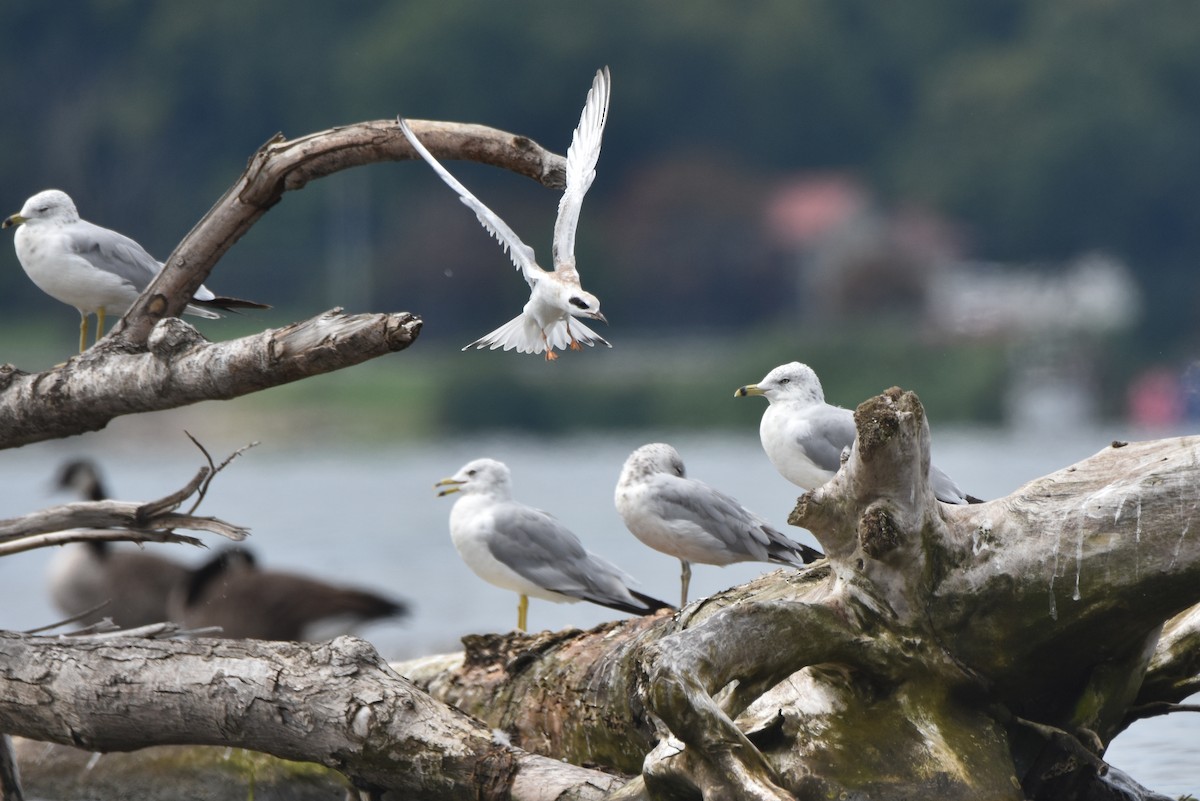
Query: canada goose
x=83, y=575
x=232, y=592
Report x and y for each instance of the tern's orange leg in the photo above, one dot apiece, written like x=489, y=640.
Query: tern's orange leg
x=550, y=354
x=574, y=343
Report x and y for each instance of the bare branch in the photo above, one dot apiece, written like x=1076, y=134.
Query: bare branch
x=181, y=367
x=35, y=541
x=213, y=469
x=109, y=520
x=282, y=165
x=68, y=621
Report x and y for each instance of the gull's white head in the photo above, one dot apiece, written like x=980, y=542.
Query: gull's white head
x=787, y=382
x=482, y=477
x=584, y=304
x=657, y=457
x=50, y=205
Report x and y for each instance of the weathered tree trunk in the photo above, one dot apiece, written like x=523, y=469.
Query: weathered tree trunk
x=987, y=651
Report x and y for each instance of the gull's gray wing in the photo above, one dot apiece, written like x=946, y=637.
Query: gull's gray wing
x=825, y=431
x=113, y=253
x=521, y=254
x=738, y=529
x=944, y=488
x=544, y=551
x=581, y=169
x=724, y=518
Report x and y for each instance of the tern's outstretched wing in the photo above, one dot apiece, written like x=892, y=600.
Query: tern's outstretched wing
x=581, y=169
x=520, y=253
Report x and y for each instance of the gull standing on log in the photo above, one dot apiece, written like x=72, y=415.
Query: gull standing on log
x=555, y=297
x=804, y=436
x=92, y=268
x=528, y=551
x=693, y=522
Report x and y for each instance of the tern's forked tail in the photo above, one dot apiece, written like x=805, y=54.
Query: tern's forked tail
x=523, y=335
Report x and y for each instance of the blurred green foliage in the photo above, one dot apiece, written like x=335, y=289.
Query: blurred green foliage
x=1047, y=129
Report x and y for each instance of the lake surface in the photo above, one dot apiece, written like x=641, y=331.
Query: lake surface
x=369, y=515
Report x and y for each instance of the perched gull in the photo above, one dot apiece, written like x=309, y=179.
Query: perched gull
x=555, y=297
x=804, y=436
x=91, y=268
x=692, y=521
x=247, y=602
x=526, y=550
x=133, y=585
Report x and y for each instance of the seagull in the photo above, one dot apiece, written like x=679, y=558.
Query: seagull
x=555, y=297
x=132, y=586
x=693, y=522
x=804, y=436
x=526, y=550
x=232, y=592
x=91, y=268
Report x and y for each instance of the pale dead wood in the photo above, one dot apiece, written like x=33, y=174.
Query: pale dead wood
x=180, y=367
x=35, y=541
x=111, y=520
x=334, y=703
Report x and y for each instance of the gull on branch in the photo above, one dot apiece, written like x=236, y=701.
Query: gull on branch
x=804, y=436
x=693, y=522
x=556, y=299
x=96, y=270
x=526, y=550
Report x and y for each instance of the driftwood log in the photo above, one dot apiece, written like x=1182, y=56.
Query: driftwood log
x=981, y=652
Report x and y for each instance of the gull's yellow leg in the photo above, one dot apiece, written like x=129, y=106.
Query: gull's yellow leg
x=685, y=578
x=99, y=323
x=82, y=331
x=522, y=612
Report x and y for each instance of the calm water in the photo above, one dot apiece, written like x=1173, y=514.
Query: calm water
x=371, y=517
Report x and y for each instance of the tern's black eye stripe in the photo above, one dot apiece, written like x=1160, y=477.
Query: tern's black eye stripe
x=577, y=303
